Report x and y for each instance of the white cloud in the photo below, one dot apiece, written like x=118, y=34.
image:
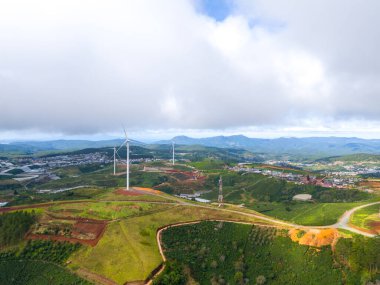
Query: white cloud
x=77, y=67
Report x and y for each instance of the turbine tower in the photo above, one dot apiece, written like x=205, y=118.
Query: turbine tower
x=173, y=152
x=220, y=196
x=114, y=160
x=127, y=145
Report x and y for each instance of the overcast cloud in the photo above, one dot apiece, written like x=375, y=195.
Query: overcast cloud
x=86, y=67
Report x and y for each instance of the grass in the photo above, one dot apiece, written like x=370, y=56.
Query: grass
x=107, y=210
x=128, y=250
x=111, y=195
x=364, y=216
x=303, y=213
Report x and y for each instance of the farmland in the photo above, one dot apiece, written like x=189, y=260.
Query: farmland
x=117, y=229
x=38, y=262
x=221, y=253
x=132, y=243
x=367, y=218
x=22, y=272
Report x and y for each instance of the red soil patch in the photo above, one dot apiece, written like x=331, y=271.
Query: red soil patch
x=374, y=185
x=371, y=231
x=84, y=231
x=375, y=226
x=148, y=190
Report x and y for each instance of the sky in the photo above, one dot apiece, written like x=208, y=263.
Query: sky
x=160, y=68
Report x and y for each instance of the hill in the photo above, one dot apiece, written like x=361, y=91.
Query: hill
x=312, y=146
x=226, y=253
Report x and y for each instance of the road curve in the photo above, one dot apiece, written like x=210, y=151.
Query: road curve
x=344, y=220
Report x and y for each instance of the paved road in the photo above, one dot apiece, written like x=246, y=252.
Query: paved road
x=343, y=222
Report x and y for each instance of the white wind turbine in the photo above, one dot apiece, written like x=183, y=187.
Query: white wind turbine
x=114, y=160
x=126, y=143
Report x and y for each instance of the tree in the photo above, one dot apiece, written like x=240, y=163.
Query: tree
x=239, y=278
x=260, y=280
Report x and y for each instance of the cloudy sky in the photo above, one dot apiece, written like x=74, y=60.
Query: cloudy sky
x=263, y=68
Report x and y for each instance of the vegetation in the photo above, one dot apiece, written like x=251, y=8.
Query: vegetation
x=132, y=243
x=21, y=272
x=107, y=210
x=57, y=252
x=222, y=253
x=362, y=257
x=173, y=274
x=38, y=262
x=364, y=217
x=13, y=227
x=305, y=213
x=246, y=188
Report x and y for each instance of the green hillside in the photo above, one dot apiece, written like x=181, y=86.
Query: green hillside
x=227, y=253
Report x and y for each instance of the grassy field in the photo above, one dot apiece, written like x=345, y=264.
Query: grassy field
x=111, y=195
x=364, y=216
x=106, y=210
x=128, y=250
x=303, y=213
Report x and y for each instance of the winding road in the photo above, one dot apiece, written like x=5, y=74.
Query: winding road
x=344, y=220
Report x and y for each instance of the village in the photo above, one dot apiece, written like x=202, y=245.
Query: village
x=348, y=178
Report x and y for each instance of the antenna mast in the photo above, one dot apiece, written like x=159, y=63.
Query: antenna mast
x=220, y=196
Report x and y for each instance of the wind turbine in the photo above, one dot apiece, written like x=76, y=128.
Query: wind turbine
x=114, y=160
x=127, y=145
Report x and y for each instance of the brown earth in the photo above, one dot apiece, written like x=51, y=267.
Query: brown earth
x=84, y=231
x=371, y=184
x=314, y=237
x=122, y=191
x=96, y=278
x=375, y=226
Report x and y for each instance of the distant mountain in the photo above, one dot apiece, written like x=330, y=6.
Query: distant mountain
x=313, y=146
x=359, y=157
x=68, y=144
x=32, y=147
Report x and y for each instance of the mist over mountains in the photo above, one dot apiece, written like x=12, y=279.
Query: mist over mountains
x=321, y=146
x=307, y=147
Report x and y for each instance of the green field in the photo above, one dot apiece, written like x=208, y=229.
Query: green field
x=107, y=210
x=363, y=217
x=131, y=243
x=304, y=213
x=227, y=253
